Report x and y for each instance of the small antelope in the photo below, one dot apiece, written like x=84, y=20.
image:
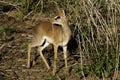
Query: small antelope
x=56, y=32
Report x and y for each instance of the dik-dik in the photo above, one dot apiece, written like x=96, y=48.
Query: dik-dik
x=56, y=32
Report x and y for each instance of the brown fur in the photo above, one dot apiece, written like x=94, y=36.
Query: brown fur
x=49, y=33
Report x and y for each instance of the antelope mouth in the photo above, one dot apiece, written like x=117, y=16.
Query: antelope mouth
x=57, y=24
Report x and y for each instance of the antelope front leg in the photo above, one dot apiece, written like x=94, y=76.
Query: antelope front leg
x=28, y=60
x=55, y=59
x=65, y=58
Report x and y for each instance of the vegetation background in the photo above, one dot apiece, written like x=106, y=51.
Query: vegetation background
x=94, y=51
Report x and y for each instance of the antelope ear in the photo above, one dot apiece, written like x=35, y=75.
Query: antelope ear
x=63, y=13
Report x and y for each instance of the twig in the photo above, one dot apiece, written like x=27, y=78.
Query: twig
x=2, y=46
x=3, y=2
x=28, y=15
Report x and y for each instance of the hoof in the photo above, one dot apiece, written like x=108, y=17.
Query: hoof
x=33, y=62
x=66, y=71
x=28, y=67
x=54, y=72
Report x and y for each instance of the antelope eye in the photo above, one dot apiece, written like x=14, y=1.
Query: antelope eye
x=57, y=17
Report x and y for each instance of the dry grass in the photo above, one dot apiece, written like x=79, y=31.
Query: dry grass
x=95, y=28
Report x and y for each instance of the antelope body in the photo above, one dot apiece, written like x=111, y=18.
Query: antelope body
x=56, y=32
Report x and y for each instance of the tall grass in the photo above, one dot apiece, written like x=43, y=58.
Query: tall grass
x=102, y=22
